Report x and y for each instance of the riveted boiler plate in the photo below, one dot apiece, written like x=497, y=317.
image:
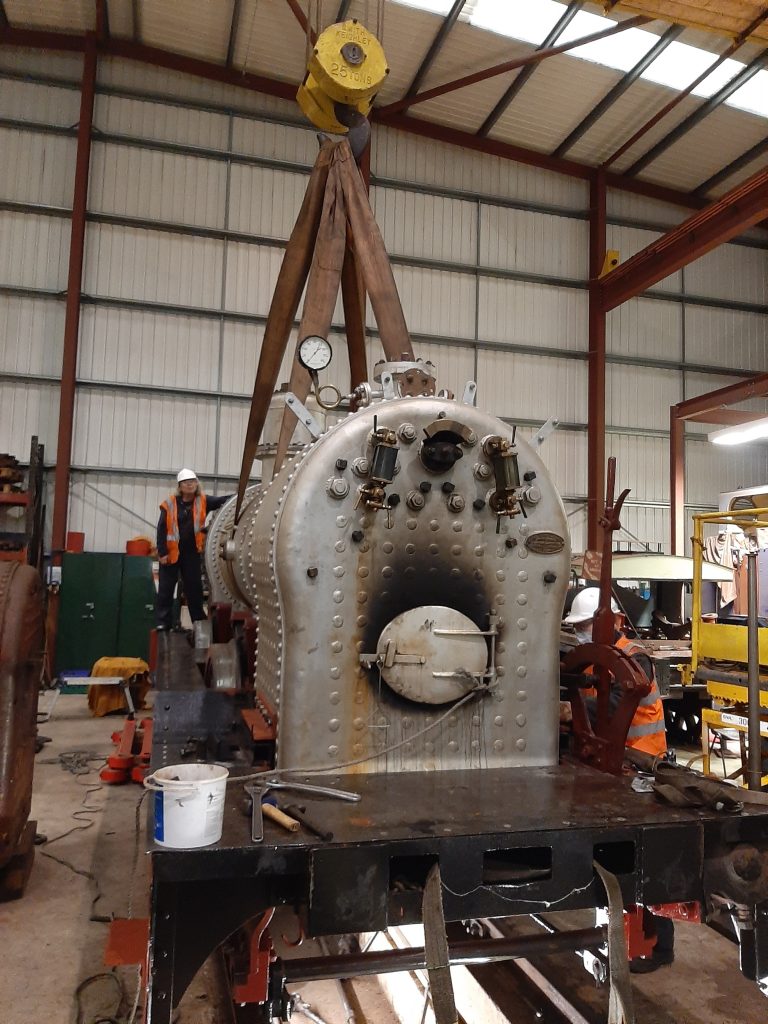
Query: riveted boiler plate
x=432, y=654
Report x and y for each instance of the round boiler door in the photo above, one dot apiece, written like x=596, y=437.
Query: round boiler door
x=432, y=654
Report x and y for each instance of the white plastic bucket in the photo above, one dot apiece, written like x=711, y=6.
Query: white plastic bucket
x=189, y=804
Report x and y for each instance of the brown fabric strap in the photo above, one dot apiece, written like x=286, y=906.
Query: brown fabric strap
x=321, y=295
x=353, y=299
x=373, y=261
x=282, y=310
x=436, y=950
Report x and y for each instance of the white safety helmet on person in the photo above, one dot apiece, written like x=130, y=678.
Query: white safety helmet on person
x=585, y=605
x=185, y=474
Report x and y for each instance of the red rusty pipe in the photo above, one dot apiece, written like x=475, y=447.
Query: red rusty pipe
x=72, y=312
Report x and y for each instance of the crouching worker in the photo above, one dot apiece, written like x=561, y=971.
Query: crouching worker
x=646, y=733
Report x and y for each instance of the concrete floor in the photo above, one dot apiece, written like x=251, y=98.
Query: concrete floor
x=51, y=943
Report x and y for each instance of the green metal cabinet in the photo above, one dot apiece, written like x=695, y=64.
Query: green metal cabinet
x=106, y=609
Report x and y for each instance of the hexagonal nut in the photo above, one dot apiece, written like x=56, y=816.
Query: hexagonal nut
x=532, y=495
x=407, y=433
x=361, y=467
x=456, y=503
x=482, y=470
x=415, y=500
x=337, y=487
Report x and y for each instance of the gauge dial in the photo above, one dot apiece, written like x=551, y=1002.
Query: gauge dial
x=315, y=353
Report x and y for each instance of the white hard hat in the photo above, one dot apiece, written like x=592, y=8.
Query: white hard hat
x=585, y=605
x=185, y=474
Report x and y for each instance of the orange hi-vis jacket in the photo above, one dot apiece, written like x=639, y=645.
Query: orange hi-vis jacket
x=647, y=732
x=199, y=513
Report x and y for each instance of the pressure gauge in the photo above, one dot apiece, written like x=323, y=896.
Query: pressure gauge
x=315, y=353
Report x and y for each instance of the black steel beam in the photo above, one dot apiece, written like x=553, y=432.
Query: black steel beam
x=740, y=78
x=343, y=11
x=525, y=73
x=233, y=32
x=736, y=165
x=437, y=44
x=618, y=90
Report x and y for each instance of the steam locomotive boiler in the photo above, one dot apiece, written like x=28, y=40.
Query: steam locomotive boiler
x=398, y=585
x=410, y=562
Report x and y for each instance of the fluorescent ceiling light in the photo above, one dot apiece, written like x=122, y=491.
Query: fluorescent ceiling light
x=757, y=430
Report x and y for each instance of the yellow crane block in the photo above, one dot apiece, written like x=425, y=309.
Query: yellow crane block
x=347, y=66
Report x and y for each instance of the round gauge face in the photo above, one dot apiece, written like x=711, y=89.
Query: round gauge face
x=315, y=353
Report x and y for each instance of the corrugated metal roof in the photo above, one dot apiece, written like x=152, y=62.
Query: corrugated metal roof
x=265, y=38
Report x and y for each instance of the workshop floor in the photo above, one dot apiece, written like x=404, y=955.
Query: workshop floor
x=54, y=937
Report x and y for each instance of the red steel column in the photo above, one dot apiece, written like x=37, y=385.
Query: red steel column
x=72, y=314
x=596, y=407
x=676, y=482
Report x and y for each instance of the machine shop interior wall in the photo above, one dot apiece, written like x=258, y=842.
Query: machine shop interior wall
x=194, y=188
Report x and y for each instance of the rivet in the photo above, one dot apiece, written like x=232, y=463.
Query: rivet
x=458, y=526
x=360, y=646
x=521, y=720
x=362, y=620
x=500, y=670
x=433, y=549
x=522, y=695
x=524, y=528
x=338, y=596
x=388, y=547
x=523, y=576
x=341, y=521
x=410, y=549
x=358, y=723
x=480, y=551
x=338, y=570
x=501, y=647
x=522, y=599
x=411, y=524
x=410, y=571
x=498, y=744
x=475, y=744
x=434, y=525
x=340, y=545
x=522, y=647
x=479, y=574
x=453, y=720
x=453, y=746
x=406, y=721
x=335, y=672
x=363, y=571
x=522, y=551
x=365, y=546
x=357, y=748
x=520, y=744
x=498, y=720
x=337, y=620
x=456, y=572
x=522, y=670
x=333, y=750
x=387, y=571
x=429, y=747
x=336, y=646
x=522, y=623
x=334, y=724
x=456, y=549
x=501, y=598
x=500, y=575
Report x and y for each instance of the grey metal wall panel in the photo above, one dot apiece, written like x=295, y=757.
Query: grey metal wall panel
x=629, y=240
x=34, y=252
x=429, y=227
x=36, y=168
x=640, y=396
x=143, y=432
x=532, y=314
x=157, y=186
x=145, y=119
x=275, y=141
x=44, y=104
x=27, y=410
x=533, y=387
x=436, y=302
x=157, y=266
x=264, y=201
x=730, y=272
x=724, y=337
x=534, y=242
x=136, y=347
x=647, y=328
x=31, y=335
x=642, y=463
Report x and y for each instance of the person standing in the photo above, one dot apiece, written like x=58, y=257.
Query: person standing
x=646, y=733
x=180, y=543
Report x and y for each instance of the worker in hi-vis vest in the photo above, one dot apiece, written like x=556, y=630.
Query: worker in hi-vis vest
x=180, y=543
x=646, y=733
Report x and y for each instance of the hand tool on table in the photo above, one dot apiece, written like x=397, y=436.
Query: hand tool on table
x=311, y=790
x=297, y=812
